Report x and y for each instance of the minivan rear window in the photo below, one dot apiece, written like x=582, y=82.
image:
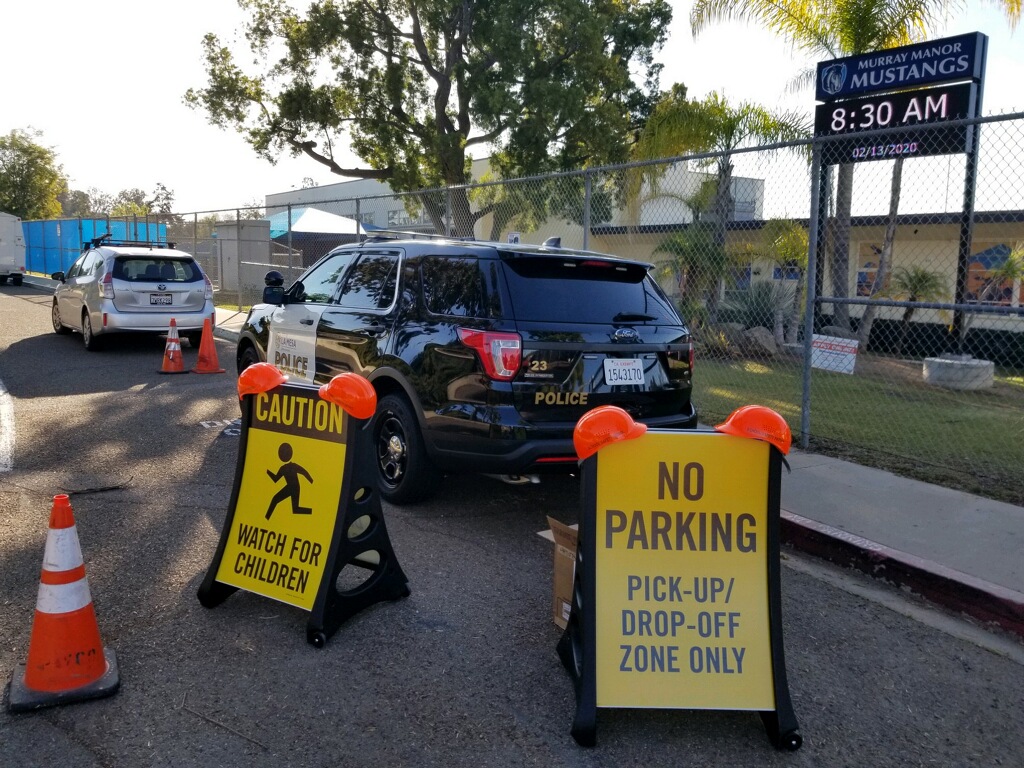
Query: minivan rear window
x=576, y=290
x=149, y=269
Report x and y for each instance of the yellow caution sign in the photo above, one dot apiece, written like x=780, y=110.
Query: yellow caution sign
x=681, y=574
x=288, y=497
x=300, y=513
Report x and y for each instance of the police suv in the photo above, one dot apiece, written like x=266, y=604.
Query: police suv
x=483, y=355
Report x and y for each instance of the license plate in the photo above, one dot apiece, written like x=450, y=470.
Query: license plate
x=159, y=298
x=623, y=372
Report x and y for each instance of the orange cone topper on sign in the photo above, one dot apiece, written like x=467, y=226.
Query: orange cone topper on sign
x=208, y=362
x=173, y=361
x=66, y=658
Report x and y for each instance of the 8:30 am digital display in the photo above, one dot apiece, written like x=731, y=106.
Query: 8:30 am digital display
x=899, y=112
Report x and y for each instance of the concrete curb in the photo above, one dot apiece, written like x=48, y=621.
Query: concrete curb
x=960, y=592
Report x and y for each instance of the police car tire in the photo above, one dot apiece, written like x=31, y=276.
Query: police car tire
x=248, y=357
x=419, y=479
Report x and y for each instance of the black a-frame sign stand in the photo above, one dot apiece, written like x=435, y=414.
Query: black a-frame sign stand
x=577, y=646
x=360, y=538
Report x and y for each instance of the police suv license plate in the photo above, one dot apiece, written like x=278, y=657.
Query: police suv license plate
x=159, y=298
x=619, y=372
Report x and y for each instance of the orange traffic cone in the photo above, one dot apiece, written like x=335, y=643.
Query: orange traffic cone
x=173, y=361
x=207, y=362
x=66, y=658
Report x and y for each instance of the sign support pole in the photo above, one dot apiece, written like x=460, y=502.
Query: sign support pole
x=780, y=723
x=577, y=647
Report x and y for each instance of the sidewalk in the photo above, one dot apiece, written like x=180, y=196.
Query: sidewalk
x=960, y=551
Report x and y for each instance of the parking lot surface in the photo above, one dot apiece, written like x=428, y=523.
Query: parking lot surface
x=461, y=672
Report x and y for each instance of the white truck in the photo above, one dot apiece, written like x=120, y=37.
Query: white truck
x=12, y=249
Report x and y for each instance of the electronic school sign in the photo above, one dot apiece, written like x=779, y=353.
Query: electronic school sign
x=938, y=61
x=902, y=102
x=677, y=603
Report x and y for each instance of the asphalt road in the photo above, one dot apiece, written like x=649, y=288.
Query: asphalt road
x=463, y=672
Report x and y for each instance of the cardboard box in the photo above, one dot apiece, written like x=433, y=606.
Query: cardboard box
x=564, y=538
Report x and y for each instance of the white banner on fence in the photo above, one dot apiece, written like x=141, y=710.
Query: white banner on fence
x=832, y=353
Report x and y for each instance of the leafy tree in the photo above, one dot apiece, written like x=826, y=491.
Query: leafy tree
x=130, y=202
x=834, y=29
x=413, y=86
x=75, y=203
x=31, y=179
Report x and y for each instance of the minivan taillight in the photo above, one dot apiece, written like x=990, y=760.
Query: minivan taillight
x=209, y=289
x=500, y=352
x=108, y=286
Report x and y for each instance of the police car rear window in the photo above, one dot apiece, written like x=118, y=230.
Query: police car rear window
x=454, y=286
x=149, y=269
x=585, y=291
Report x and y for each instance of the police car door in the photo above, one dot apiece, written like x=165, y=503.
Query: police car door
x=355, y=331
x=293, y=326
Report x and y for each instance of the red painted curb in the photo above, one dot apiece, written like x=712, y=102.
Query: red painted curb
x=981, y=600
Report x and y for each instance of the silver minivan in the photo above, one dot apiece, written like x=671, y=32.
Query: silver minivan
x=118, y=287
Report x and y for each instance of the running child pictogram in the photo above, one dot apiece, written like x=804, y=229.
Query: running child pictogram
x=290, y=471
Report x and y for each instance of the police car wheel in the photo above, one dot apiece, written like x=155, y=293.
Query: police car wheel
x=58, y=326
x=247, y=357
x=404, y=473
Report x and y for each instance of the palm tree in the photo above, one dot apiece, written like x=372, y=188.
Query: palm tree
x=834, y=29
x=699, y=265
x=679, y=125
x=914, y=284
x=785, y=243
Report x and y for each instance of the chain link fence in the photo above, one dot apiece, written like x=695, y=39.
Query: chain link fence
x=867, y=288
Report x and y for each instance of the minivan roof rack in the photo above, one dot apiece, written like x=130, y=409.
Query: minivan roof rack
x=96, y=242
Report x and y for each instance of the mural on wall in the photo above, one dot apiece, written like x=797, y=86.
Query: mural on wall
x=867, y=267
x=981, y=287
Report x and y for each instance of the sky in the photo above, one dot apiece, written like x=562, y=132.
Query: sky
x=104, y=83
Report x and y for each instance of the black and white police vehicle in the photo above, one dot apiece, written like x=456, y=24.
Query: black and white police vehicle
x=483, y=355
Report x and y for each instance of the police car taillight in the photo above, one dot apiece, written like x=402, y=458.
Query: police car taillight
x=209, y=289
x=108, y=286
x=501, y=353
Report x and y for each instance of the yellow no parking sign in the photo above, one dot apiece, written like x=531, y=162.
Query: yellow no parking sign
x=681, y=570
x=676, y=601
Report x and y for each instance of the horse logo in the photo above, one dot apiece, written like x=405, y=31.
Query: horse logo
x=833, y=78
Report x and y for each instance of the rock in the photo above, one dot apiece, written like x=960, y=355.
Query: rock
x=760, y=342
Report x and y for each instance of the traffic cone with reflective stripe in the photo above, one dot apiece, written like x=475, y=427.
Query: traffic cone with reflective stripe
x=207, y=362
x=173, y=361
x=66, y=658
